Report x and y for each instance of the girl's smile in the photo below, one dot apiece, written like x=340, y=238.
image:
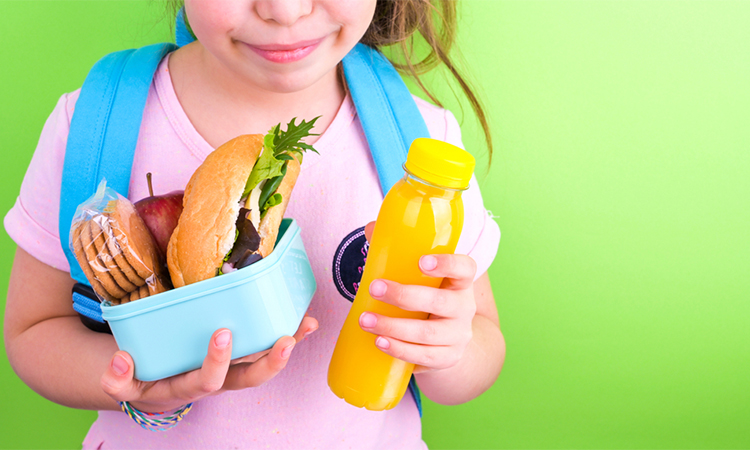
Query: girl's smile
x=276, y=46
x=279, y=53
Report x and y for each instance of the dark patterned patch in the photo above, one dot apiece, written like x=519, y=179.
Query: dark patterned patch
x=349, y=262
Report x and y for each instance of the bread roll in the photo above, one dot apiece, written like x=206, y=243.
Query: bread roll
x=269, y=225
x=206, y=229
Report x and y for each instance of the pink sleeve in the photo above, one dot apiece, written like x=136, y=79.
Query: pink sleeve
x=481, y=235
x=33, y=221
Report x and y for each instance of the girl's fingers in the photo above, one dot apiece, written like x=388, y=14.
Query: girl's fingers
x=429, y=356
x=120, y=384
x=427, y=332
x=243, y=376
x=118, y=381
x=250, y=358
x=271, y=362
x=368, y=230
x=421, y=369
x=210, y=377
x=306, y=327
x=458, y=270
x=439, y=302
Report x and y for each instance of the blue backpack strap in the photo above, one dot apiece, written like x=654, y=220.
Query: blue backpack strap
x=115, y=90
x=386, y=109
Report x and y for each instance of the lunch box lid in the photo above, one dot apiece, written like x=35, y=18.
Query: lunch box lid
x=288, y=231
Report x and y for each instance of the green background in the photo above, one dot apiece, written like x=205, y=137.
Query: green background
x=620, y=182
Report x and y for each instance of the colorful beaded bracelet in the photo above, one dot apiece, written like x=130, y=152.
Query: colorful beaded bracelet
x=152, y=421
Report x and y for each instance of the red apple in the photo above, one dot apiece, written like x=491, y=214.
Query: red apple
x=160, y=213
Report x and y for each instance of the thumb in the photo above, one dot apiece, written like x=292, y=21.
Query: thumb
x=368, y=231
x=118, y=380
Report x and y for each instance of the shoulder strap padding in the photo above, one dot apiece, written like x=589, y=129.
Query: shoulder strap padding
x=389, y=116
x=115, y=91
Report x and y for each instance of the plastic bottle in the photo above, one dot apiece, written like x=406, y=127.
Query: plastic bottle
x=422, y=214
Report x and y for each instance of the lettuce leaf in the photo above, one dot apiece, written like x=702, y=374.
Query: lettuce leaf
x=274, y=200
x=270, y=187
x=278, y=148
x=266, y=167
x=289, y=142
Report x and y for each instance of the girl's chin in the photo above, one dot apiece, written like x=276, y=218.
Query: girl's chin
x=298, y=80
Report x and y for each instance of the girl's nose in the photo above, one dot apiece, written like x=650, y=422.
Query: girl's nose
x=283, y=12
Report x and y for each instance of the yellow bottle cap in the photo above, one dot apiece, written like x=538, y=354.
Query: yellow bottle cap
x=440, y=163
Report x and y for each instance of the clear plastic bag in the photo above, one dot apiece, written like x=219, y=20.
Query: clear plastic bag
x=116, y=250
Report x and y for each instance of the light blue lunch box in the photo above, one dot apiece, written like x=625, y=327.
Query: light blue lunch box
x=169, y=333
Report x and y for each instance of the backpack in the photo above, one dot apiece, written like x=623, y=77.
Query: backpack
x=107, y=118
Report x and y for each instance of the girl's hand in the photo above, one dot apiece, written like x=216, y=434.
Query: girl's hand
x=216, y=375
x=439, y=341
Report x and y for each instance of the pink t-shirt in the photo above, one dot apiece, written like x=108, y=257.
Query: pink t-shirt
x=336, y=194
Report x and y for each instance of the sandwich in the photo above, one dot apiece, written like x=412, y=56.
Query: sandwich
x=234, y=203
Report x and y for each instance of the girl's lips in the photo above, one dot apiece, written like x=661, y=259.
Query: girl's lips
x=286, y=53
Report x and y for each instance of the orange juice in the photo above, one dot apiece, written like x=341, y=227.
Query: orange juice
x=422, y=214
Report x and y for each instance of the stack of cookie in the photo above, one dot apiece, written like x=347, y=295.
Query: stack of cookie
x=118, y=254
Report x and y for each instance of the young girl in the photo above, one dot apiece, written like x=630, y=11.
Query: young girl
x=257, y=63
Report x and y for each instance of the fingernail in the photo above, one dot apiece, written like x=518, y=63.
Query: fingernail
x=119, y=365
x=368, y=320
x=222, y=340
x=377, y=288
x=428, y=262
x=309, y=332
x=286, y=351
x=383, y=343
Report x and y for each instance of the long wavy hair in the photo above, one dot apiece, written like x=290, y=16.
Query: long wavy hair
x=397, y=25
